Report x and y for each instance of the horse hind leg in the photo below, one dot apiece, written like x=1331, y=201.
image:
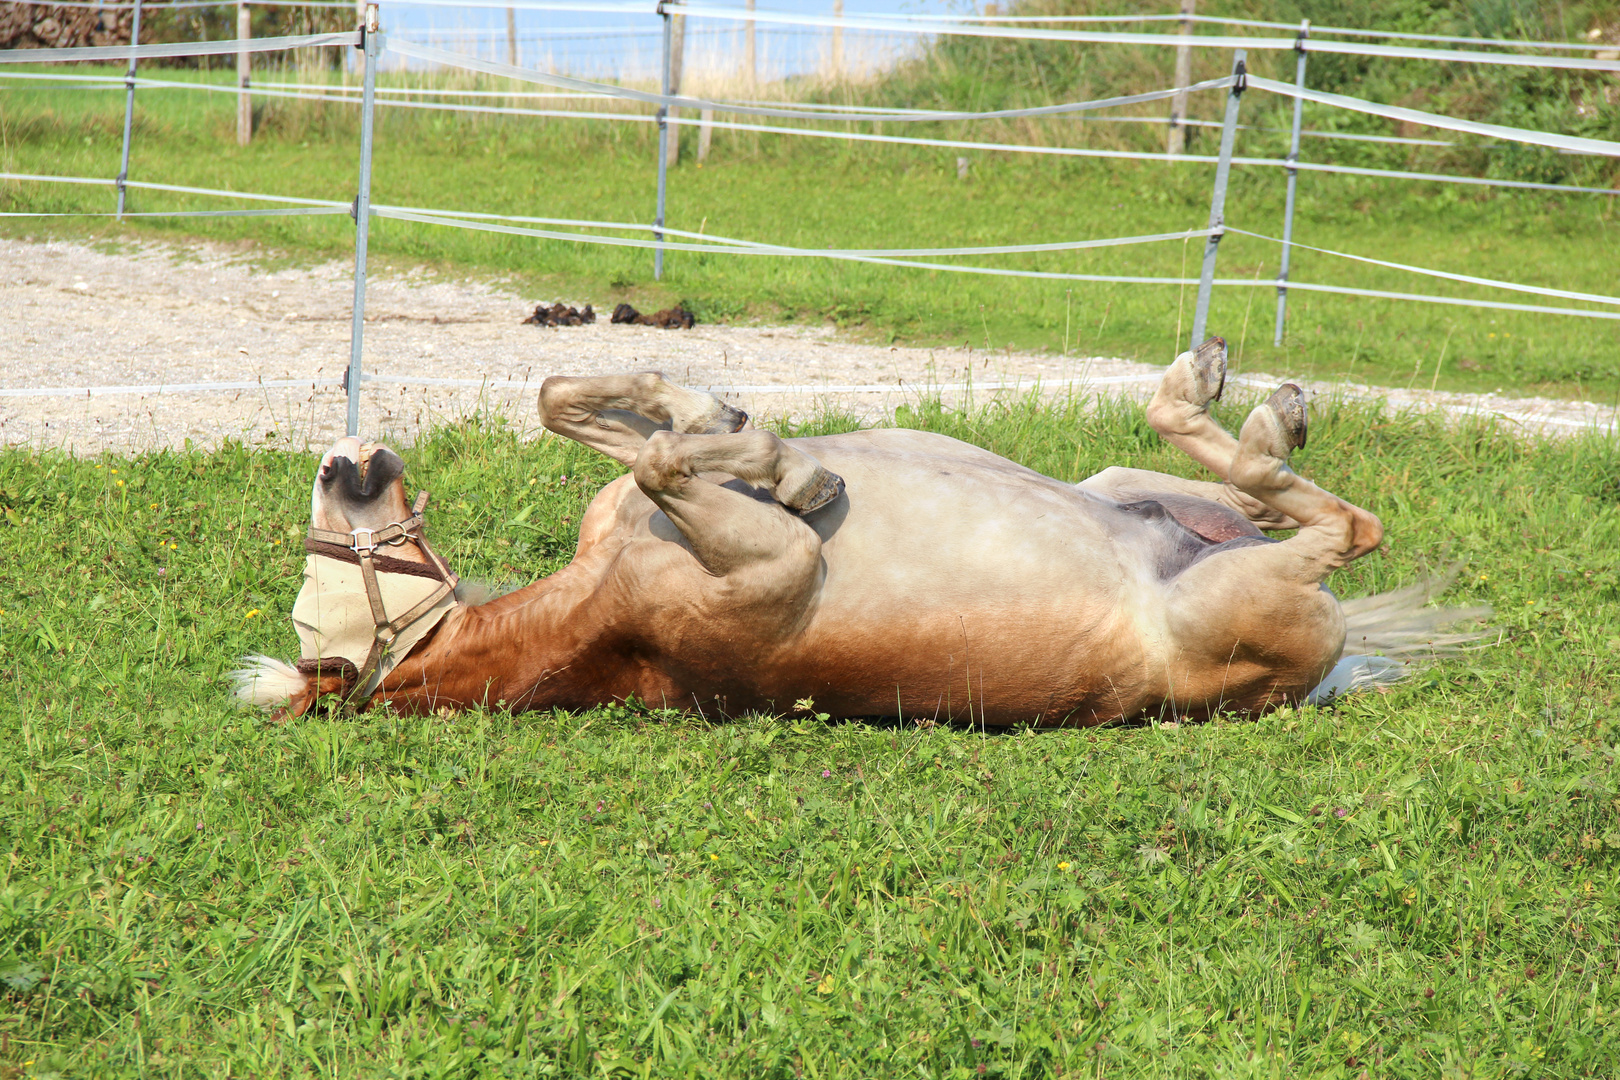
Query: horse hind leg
x=1332, y=532
x=1180, y=413
x=616, y=414
x=1252, y=626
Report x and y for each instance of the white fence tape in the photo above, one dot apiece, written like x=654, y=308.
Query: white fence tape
x=1092, y=37
x=99, y=181
x=1439, y=178
x=430, y=217
x=1132, y=155
x=1082, y=385
x=281, y=211
x=1423, y=298
x=1571, y=143
x=230, y=46
x=993, y=271
x=448, y=58
x=883, y=257
x=1558, y=294
x=341, y=93
x=1216, y=20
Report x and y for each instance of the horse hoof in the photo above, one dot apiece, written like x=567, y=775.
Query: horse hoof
x=822, y=488
x=1209, y=371
x=1288, y=402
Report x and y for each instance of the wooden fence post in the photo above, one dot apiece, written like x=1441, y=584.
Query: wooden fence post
x=244, y=100
x=1178, y=104
x=750, y=54
x=838, y=41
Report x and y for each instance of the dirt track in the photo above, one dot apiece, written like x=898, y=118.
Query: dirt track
x=163, y=316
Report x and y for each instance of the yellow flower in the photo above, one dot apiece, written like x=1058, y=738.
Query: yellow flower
x=713, y=857
x=154, y=506
x=251, y=613
x=120, y=483
x=1063, y=866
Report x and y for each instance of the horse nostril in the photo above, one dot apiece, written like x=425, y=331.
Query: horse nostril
x=326, y=473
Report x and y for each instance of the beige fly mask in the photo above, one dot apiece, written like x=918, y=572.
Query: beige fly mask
x=333, y=616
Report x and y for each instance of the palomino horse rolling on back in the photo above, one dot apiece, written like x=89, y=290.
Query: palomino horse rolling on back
x=882, y=572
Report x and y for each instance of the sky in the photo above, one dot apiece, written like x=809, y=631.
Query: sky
x=597, y=44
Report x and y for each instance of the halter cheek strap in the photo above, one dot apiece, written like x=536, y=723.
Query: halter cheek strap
x=360, y=546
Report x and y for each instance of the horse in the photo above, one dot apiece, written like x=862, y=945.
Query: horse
x=878, y=573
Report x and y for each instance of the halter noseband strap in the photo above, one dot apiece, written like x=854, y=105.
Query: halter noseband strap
x=360, y=546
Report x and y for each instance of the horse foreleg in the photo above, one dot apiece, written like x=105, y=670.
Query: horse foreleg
x=728, y=527
x=616, y=414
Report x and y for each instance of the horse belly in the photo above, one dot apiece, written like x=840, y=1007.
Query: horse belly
x=961, y=592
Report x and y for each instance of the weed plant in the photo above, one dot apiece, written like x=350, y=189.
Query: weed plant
x=1412, y=884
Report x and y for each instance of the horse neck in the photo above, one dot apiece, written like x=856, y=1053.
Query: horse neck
x=513, y=649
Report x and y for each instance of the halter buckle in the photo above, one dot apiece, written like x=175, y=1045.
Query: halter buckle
x=367, y=546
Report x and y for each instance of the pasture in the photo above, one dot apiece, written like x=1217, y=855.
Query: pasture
x=816, y=193
x=1418, y=883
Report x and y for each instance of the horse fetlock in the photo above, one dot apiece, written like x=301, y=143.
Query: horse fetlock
x=660, y=465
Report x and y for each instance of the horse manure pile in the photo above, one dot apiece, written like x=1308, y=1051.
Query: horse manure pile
x=560, y=314
x=675, y=318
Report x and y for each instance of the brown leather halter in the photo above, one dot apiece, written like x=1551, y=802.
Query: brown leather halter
x=360, y=547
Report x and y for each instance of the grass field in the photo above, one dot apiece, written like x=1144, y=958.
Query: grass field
x=1416, y=884
x=818, y=193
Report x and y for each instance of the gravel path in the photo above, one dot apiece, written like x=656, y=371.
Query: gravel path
x=122, y=331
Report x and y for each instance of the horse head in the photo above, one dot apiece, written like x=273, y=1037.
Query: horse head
x=359, y=487
x=373, y=588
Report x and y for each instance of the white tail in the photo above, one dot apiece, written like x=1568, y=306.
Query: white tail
x=266, y=681
x=1388, y=636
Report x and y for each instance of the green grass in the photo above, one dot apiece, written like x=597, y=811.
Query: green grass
x=1421, y=883
x=817, y=194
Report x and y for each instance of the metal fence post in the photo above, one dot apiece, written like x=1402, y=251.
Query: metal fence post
x=1217, y=203
x=1293, y=182
x=663, y=150
x=129, y=107
x=362, y=216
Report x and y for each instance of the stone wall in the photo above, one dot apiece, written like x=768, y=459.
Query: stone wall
x=48, y=26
